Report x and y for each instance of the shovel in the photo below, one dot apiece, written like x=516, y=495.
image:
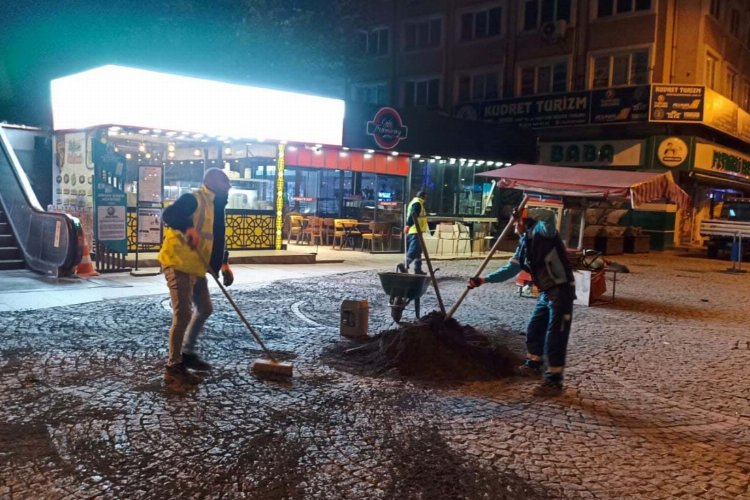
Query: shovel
x=489, y=256
x=420, y=237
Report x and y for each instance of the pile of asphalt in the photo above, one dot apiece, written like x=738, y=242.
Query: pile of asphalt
x=429, y=349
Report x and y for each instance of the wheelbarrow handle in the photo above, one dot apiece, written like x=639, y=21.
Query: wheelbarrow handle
x=429, y=267
x=486, y=261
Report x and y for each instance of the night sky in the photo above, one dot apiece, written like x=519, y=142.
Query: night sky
x=41, y=40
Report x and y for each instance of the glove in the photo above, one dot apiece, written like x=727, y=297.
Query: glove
x=193, y=237
x=406, y=229
x=477, y=281
x=227, y=275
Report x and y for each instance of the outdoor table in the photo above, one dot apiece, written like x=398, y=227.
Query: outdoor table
x=348, y=239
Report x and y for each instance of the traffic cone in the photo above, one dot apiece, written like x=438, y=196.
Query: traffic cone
x=86, y=267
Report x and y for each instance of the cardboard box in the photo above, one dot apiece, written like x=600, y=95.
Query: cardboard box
x=590, y=285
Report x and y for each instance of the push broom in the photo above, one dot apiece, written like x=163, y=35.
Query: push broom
x=270, y=366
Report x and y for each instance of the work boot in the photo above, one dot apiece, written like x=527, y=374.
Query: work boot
x=400, y=268
x=530, y=369
x=194, y=362
x=178, y=374
x=549, y=388
x=419, y=271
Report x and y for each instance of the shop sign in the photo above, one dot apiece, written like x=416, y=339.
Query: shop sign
x=719, y=159
x=677, y=103
x=672, y=152
x=386, y=128
x=721, y=113
x=622, y=104
x=303, y=198
x=539, y=111
x=109, y=198
x=593, y=153
x=743, y=125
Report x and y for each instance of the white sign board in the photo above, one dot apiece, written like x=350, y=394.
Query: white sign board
x=149, y=225
x=149, y=184
x=112, y=222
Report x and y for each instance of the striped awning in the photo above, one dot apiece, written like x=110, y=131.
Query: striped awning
x=637, y=187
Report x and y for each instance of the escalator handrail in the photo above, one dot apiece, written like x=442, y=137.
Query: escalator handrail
x=70, y=224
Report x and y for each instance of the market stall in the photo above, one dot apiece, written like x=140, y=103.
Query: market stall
x=583, y=189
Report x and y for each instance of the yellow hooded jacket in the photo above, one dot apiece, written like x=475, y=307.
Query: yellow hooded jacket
x=175, y=251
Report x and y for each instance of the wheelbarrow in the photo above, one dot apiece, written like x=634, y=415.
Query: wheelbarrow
x=403, y=288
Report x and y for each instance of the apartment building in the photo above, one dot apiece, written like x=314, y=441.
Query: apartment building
x=621, y=84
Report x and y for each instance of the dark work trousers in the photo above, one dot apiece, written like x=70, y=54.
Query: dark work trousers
x=413, y=251
x=549, y=327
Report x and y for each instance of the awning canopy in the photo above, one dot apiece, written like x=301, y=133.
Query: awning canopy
x=638, y=187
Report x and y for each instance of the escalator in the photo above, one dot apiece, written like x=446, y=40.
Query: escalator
x=48, y=243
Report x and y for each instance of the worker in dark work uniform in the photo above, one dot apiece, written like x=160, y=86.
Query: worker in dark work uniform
x=542, y=254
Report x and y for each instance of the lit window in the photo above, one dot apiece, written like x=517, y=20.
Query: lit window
x=423, y=34
x=481, y=24
x=478, y=86
x=374, y=42
x=606, y=8
x=715, y=8
x=371, y=93
x=538, y=12
x=731, y=84
x=543, y=78
x=425, y=92
x=627, y=68
x=712, y=71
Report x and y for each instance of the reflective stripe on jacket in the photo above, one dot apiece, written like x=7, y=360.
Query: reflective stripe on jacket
x=421, y=216
x=175, y=251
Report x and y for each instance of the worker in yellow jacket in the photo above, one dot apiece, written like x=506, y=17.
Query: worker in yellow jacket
x=416, y=213
x=194, y=244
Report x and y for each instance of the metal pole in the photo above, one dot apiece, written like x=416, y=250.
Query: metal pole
x=486, y=261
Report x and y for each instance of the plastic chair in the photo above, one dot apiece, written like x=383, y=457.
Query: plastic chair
x=378, y=233
x=313, y=231
x=295, y=228
x=445, y=232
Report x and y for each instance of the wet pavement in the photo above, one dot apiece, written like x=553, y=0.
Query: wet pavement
x=657, y=399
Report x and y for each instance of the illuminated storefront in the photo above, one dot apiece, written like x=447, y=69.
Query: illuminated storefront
x=112, y=121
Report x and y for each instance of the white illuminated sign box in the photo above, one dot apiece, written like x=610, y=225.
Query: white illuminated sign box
x=116, y=95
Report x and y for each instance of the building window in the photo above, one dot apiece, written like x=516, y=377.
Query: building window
x=712, y=71
x=731, y=84
x=745, y=97
x=374, y=42
x=544, y=78
x=478, y=86
x=734, y=22
x=630, y=68
x=481, y=24
x=371, y=93
x=538, y=12
x=423, y=34
x=715, y=8
x=606, y=8
x=425, y=92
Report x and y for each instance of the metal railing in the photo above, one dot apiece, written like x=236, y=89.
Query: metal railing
x=50, y=243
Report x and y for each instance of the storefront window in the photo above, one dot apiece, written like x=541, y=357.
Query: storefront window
x=453, y=188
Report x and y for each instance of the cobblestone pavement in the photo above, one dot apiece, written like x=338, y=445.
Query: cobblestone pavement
x=657, y=402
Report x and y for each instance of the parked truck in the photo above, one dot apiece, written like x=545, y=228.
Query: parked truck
x=733, y=223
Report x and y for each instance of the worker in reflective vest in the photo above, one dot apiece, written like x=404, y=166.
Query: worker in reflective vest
x=416, y=213
x=194, y=244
